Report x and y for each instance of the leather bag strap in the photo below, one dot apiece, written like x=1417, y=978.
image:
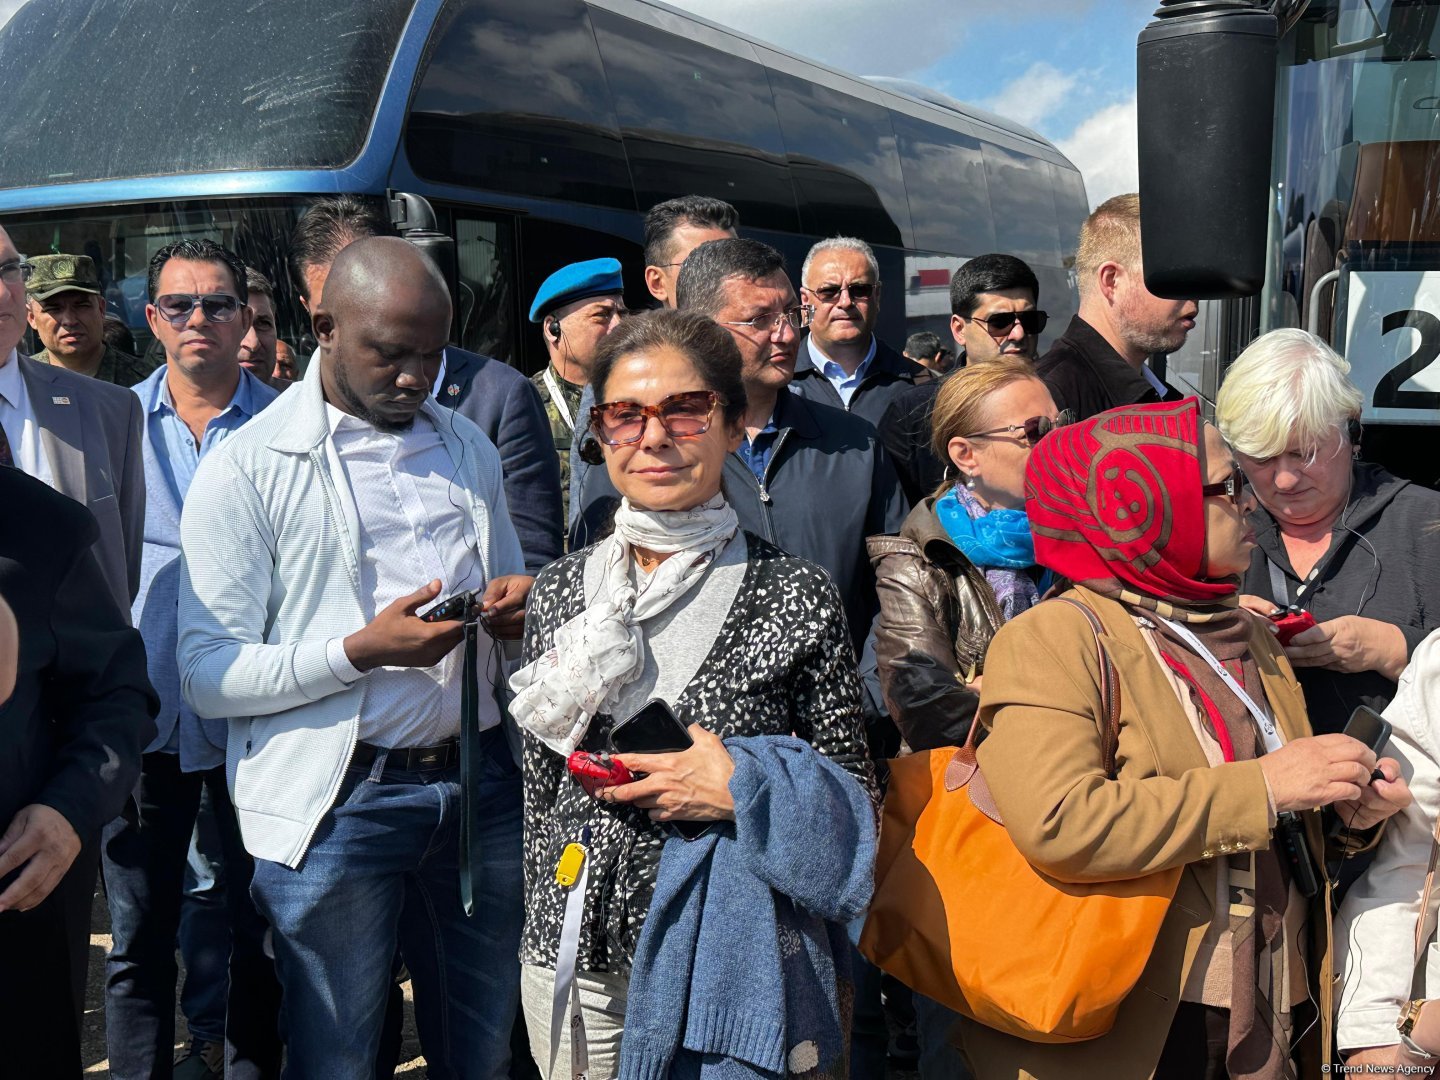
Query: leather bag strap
x=1109, y=688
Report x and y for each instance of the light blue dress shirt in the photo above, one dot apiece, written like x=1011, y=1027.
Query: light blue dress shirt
x=845, y=385
x=180, y=453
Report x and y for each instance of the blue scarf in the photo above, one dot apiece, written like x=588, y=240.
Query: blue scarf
x=999, y=542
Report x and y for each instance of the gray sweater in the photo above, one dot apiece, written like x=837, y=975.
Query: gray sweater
x=1386, y=566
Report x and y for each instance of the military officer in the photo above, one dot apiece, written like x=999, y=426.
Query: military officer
x=67, y=309
x=575, y=306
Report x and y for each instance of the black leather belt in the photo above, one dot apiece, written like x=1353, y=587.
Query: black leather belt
x=439, y=756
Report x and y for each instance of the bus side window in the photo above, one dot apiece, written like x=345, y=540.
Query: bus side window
x=485, y=250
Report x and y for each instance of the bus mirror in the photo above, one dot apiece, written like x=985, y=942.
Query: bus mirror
x=1206, y=92
x=414, y=218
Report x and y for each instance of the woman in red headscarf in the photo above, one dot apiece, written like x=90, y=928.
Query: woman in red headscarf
x=1144, y=510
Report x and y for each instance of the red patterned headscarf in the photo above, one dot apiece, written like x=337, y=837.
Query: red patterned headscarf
x=1114, y=504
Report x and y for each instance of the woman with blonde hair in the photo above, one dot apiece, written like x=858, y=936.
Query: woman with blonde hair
x=1339, y=538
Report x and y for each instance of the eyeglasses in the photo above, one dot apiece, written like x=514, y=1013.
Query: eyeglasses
x=1032, y=321
x=858, y=290
x=772, y=320
x=175, y=308
x=14, y=271
x=1032, y=430
x=1232, y=487
x=683, y=416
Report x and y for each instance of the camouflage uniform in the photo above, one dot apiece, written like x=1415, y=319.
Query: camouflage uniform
x=52, y=274
x=116, y=367
x=560, y=430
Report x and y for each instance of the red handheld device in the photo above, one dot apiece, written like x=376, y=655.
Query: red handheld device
x=1289, y=623
x=597, y=770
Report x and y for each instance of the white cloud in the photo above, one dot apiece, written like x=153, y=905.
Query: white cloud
x=1105, y=149
x=898, y=39
x=8, y=8
x=1034, y=95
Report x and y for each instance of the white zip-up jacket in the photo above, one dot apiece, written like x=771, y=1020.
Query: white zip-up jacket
x=1375, y=932
x=270, y=573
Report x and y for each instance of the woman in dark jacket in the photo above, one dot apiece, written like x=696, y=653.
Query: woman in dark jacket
x=680, y=605
x=964, y=562
x=1342, y=539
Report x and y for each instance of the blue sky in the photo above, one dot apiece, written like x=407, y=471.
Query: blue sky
x=1063, y=67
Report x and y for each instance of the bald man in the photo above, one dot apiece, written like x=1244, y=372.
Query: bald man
x=313, y=539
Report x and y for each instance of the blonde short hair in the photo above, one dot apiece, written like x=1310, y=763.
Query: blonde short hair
x=960, y=406
x=1288, y=388
x=1110, y=234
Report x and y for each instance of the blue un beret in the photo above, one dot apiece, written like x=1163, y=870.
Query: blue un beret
x=578, y=281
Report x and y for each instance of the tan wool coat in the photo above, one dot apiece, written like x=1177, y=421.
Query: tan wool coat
x=1168, y=807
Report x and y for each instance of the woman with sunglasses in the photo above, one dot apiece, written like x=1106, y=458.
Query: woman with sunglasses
x=964, y=562
x=677, y=604
x=1215, y=770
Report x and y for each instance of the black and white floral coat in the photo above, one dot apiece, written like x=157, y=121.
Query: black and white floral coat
x=782, y=664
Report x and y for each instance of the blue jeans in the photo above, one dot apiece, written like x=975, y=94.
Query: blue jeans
x=382, y=871
x=144, y=857
x=204, y=937
x=940, y=1059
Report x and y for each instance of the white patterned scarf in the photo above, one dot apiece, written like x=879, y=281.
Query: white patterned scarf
x=602, y=648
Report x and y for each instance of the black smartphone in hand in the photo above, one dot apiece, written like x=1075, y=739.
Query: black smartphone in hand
x=457, y=607
x=1369, y=727
x=654, y=729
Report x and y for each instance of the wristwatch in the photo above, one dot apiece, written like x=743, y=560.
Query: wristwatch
x=1409, y=1014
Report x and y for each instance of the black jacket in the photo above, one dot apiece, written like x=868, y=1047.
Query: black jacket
x=829, y=485
x=1386, y=566
x=504, y=405
x=905, y=431
x=72, y=733
x=1087, y=376
x=888, y=375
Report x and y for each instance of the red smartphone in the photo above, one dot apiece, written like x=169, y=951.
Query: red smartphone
x=597, y=770
x=1288, y=623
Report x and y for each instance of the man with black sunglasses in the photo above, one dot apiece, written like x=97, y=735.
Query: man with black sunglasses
x=841, y=362
x=196, y=400
x=993, y=315
x=1100, y=362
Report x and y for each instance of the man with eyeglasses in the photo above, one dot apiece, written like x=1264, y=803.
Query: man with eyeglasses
x=67, y=311
x=193, y=402
x=993, y=314
x=841, y=362
x=1100, y=362
x=77, y=434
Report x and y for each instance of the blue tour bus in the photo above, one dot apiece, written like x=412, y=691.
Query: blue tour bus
x=539, y=130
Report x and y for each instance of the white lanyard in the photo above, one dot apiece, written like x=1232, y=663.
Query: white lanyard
x=565, y=1008
x=1266, y=725
x=552, y=384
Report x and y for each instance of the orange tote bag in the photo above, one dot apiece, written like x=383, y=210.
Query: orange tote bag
x=961, y=916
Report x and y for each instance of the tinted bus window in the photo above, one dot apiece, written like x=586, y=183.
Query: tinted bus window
x=696, y=119
x=1071, y=210
x=284, y=85
x=843, y=161
x=513, y=98
x=945, y=180
x=1022, y=199
x=486, y=259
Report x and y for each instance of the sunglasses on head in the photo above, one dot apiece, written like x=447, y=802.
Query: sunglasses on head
x=175, y=308
x=1232, y=487
x=1032, y=322
x=1032, y=429
x=858, y=290
x=683, y=416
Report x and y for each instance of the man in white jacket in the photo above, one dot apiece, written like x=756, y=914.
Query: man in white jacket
x=311, y=538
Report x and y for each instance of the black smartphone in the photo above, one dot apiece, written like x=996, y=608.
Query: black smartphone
x=651, y=729
x=457, y=607
x=1369, y=727
x=654, y=729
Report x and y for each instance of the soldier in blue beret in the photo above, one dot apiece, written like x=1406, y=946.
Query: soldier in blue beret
x=576, y=306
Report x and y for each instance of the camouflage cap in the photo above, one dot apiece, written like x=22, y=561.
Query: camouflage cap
x=51, y=274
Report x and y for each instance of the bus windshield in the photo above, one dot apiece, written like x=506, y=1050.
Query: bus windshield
x=307, y=88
